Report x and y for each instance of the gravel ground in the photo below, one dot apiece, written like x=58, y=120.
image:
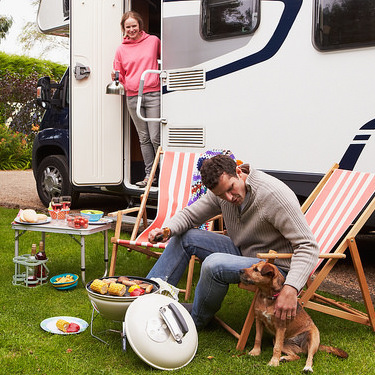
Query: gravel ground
x=18, y=190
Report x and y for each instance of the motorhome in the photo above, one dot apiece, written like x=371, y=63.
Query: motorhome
x=286, y=85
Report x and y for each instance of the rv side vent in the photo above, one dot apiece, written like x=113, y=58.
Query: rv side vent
x=186, y=80
x=186, y=137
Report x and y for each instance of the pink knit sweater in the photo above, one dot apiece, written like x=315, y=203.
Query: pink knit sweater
x=132, y=58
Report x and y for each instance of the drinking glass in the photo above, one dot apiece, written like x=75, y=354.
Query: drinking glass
x=66, y=201
x=56, y=207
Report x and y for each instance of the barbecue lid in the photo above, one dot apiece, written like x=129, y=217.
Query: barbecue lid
x=161, y=332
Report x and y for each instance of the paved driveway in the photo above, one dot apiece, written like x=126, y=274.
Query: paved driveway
x=18, y=190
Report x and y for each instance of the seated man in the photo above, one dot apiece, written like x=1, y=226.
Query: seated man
x=260, y=214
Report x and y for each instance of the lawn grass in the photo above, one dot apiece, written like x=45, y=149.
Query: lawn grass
x=26, y=349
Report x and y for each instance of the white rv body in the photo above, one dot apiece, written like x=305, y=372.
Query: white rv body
x=270, y=96
x=297, y=110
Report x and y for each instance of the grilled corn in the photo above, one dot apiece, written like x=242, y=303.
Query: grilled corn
x=117, y=289
x=62, y=325
x=99, y=286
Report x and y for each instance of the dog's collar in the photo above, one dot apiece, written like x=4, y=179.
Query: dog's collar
x=274, y=296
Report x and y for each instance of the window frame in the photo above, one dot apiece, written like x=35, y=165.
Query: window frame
x=225, y=35
x=317, y=30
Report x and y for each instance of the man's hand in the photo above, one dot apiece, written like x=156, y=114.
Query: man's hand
x=158, y=235
x=286, y=303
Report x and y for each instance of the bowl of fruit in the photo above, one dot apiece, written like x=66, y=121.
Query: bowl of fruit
x=77, y=221
x=92, y=215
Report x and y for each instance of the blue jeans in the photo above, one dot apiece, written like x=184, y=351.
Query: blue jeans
x=148, y=132
x=222, y=261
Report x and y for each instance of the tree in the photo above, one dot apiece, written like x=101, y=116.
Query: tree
x=5, y=24
x=31, y=37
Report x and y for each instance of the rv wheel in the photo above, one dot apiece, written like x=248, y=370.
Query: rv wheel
x=52, y=179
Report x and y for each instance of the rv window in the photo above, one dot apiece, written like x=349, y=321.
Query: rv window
x=228, y=18
x=342, y=24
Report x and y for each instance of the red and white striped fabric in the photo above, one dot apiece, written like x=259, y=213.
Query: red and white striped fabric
x=340, y=201
x=175, y=182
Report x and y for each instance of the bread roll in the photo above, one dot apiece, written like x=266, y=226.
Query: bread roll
x=29, y=216
x=41, y=218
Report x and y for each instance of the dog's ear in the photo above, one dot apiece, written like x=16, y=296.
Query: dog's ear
x=267, y=270
x=278, y=281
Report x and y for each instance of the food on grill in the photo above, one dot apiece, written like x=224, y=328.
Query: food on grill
x=137, y=292
x=121, y=286
x=99, y=286
x=126, y=281
x=109, y=281
x=149, y=288
x=133, y=287
x=117, y=289
x=62, y=325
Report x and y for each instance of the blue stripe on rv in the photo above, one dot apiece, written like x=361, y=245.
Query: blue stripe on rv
x=287, y=19
x=353, y=152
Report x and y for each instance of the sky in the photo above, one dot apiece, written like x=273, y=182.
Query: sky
x=22, y=12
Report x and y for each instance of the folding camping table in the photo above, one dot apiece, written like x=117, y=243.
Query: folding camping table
x=63, y=228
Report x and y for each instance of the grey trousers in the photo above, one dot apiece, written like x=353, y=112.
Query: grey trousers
x=148, y=132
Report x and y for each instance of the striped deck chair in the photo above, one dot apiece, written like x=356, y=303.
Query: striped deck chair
x=336, y=211
x=174, y=193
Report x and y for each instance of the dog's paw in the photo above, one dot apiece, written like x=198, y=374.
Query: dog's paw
x=308, y=369
x=254, y=352
x=273, y=362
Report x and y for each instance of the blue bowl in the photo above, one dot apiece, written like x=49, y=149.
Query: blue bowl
x=68, y=287
x=58, y=285
x=92, y=215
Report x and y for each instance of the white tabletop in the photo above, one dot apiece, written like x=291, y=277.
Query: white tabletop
x=62, y=228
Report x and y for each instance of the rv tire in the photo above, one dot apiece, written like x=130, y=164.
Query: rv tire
x=52, y=179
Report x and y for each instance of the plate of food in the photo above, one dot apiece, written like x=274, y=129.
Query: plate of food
x=64, y=325
x=29, y=216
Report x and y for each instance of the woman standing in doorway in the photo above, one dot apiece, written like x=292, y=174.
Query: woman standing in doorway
x=138, y=52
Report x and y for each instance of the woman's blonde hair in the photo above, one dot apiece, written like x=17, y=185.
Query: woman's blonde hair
x=134, y=15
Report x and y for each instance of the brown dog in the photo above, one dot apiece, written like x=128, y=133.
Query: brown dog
x=299, y=335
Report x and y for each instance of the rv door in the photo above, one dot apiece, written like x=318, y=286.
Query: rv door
x=95, y=117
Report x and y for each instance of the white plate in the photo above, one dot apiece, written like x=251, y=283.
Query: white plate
x=17, y=220
x=49, y=324
x=103, y=220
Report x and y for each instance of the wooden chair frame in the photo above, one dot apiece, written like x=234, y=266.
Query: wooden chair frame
x=154, y=251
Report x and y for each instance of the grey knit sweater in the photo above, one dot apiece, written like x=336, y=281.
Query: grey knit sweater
x=270, y=220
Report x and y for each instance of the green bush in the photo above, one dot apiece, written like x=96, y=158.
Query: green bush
x=18, y=78
x=28, y=65
x=15, y=149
